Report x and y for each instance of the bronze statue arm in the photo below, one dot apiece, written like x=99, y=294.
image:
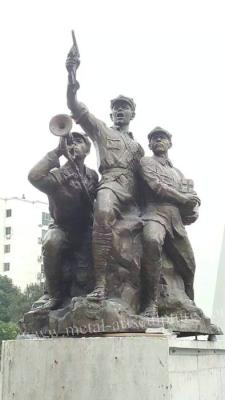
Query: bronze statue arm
x=72, y=102
x=80, y=113
x=40, y=176
x=161, y=189
x=82, y=116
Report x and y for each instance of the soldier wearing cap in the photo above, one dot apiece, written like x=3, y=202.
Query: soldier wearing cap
x=69, y=209
x=170, y=202
x=118, y=160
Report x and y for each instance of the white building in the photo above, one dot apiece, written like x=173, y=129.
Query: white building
x=23, y=224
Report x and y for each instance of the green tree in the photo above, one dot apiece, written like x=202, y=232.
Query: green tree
x=33, y=292
x=14, y=303
x=9, y=295
x=8, y=331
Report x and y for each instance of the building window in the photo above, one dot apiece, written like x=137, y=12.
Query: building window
x=46, y=219
x=6, y=267
x=42, y=268
x=8, y=231
x=8, y=212
x=7, y=248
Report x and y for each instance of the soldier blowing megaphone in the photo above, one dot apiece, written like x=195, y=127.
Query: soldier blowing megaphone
x=71, y=190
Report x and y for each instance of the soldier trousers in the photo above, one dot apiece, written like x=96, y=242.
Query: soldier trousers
x=155, y=239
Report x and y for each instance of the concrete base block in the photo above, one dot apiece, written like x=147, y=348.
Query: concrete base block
x=131, y=367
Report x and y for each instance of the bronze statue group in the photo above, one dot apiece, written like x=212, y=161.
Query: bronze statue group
x=121, y=227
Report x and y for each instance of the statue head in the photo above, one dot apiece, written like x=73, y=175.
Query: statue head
x=159, y=141
x=78, y=144
x=123, y=110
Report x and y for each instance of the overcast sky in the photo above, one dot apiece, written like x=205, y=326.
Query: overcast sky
x=169, y=55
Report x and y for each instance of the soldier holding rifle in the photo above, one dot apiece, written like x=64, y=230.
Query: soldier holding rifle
x=119, y=155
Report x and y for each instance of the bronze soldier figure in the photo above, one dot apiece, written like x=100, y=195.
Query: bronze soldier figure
x=118, y=156
x=69, y=209
x=170, y=203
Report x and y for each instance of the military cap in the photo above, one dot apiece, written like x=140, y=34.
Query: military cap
x=128, y=100
x=157, y=130
x=84, y=137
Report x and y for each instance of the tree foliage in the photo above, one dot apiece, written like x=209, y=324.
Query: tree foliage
x=8, y=331
x=9, y=296
x=13, y=304
x=33, y=292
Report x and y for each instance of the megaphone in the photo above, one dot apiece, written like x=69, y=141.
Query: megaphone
x=61, y=125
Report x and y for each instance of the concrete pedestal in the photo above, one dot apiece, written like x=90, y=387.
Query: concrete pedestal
x=136, y=367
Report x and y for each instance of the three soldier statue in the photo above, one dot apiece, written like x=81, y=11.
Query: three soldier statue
x=118, y=241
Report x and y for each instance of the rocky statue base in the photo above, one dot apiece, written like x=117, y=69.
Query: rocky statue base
x=121, y=312
x=139, y=367
x=83, y=317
